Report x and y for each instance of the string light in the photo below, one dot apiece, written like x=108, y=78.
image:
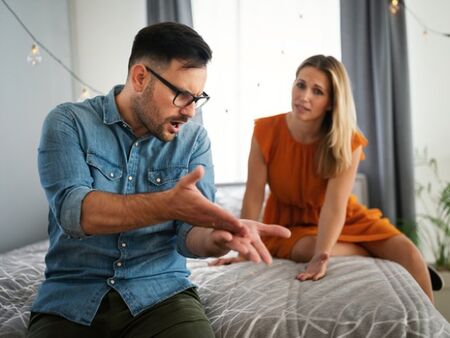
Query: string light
x=395, y=6
x=85, y=94
x=35, y=57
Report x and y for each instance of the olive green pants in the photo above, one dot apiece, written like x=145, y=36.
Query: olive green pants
x=179, y=316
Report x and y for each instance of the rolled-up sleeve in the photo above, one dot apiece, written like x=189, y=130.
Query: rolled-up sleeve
x=63, y=171
x=201, y=156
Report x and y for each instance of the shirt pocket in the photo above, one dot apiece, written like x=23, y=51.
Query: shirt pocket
x=105, y=174
x=164, y=178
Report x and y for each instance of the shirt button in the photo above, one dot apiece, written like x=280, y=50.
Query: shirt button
x=112, y=281
x=112, y=174
x=119, y=264
x=130, y=178
x=137, y=144
x=124, y=245
x=158, y=180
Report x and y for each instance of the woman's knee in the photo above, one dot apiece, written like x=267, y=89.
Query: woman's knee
x=303, y=250
x=412, y=254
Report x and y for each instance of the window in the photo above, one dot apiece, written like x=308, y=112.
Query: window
x=257, y=46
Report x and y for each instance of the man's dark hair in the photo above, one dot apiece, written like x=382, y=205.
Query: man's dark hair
x=163, y=42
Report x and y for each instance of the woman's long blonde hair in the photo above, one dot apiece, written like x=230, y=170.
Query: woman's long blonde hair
x=334, y=153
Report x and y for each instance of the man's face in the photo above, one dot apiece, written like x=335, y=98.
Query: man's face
x=154, y=110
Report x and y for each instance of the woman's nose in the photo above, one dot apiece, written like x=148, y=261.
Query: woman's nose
x=306, y=95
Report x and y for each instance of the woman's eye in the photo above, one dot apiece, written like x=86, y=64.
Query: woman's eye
x=301, y=85
x=317, y=91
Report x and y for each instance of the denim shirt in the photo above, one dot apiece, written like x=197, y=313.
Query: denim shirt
x=86, y=147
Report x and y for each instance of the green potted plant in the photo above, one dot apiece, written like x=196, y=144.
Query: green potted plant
x=433, y=221
x=434, y=218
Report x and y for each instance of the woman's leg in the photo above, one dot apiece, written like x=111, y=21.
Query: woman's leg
x=303, y=250
x=401, y=250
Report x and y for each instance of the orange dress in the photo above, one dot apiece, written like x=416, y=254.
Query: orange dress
x=297, y=193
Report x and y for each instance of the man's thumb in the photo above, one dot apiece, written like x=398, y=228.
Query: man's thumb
x=193, y=176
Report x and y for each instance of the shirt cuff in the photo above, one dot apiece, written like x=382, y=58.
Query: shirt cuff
x=182, y=231
x=71, y=212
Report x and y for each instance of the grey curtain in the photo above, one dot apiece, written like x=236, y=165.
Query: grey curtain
x=169, y=10
x=174, y=11
x=374, y=50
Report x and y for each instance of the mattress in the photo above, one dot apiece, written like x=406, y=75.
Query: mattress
x=359, y=297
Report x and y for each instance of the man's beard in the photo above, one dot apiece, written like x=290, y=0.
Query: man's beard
x=146, y=113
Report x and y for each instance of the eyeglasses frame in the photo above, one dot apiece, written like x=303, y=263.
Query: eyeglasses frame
x=178, y=91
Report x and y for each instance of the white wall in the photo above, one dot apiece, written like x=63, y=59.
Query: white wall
x=257, y=46
x=27, y=93
x=429, y=67
x=102, y=33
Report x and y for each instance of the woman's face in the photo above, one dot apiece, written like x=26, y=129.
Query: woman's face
x=311, y=95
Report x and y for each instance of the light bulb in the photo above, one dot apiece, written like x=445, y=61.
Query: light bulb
x=394, y=7
x=84, y=94
x=35, y=56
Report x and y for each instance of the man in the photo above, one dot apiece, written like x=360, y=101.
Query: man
x=126, y=178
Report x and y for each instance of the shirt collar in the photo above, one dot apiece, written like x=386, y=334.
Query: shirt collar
x=111, y=114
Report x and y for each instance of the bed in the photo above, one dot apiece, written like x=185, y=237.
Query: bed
x=360, y=296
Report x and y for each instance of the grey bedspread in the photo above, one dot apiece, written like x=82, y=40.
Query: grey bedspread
x=360, y=297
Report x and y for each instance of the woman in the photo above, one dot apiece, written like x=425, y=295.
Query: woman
x=309, y=157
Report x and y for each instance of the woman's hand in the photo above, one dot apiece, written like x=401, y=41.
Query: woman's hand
x=316, y=269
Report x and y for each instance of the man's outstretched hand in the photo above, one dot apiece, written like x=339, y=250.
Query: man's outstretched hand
x=250, y=247
x=188, y=204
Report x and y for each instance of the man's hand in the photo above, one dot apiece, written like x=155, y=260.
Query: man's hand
x=227, y=261
x=256, y=250
x=249, y=247
x=316, y=269
x=186, y=203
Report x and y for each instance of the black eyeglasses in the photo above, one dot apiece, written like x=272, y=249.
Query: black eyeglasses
x=182, y=97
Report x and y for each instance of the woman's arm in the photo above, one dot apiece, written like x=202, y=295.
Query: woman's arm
x=256, y=183
x=332, y=218
x=253, y=196
x=332, y=214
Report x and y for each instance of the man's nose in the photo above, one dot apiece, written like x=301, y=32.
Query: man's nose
x=189, y=110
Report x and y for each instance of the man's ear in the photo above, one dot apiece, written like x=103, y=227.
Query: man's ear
x=139, y=77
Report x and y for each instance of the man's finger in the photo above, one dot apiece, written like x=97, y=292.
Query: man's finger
x=221, y=236
x=225, y=261
x=236, y=245
x=263, y=252
x=252, y=254
x=230, y=223
x=273, y=230
x=249, y=251
x=192, y=177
